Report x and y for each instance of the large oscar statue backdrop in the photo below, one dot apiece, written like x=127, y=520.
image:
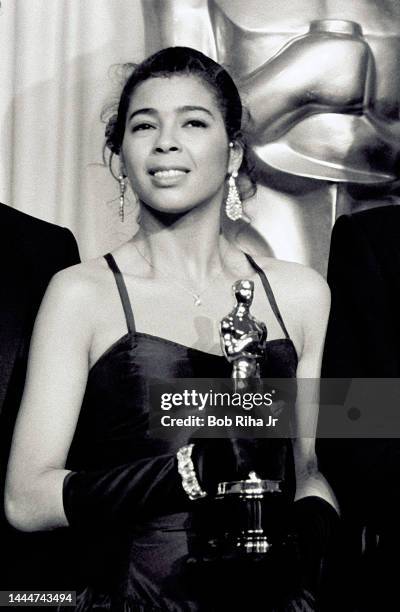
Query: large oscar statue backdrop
x=321, y=82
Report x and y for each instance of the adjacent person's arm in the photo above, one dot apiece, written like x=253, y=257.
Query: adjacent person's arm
x=360, y=320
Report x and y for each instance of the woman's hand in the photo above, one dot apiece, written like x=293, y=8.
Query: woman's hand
x=228, y=459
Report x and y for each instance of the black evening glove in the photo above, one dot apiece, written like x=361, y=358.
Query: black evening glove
x=226, y=459
x=145, y=488
x=152, y=486
x=298, y=574
x=123, y=495
x=316, y=528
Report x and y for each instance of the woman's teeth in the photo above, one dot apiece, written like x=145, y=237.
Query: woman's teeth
x=167, y=173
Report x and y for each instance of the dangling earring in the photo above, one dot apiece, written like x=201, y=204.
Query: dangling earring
x=122, y=189
x=233, y=204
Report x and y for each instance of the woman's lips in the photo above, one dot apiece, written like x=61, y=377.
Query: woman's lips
x=164, y=177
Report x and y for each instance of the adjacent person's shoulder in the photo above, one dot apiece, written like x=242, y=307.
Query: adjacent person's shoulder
x=34, y=240
x=374, y=213
x=11, y=218
x=372, y=219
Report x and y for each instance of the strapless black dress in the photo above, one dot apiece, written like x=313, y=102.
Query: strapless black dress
x=144, y=569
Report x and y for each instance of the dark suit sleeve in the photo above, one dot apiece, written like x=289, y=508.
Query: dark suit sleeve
x=358, y=338
x=64, y=250
x=52, y=251
x=71, y=249
x=360, y=343
x=337, y=358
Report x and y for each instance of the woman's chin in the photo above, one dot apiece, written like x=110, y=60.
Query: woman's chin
x=169, y=209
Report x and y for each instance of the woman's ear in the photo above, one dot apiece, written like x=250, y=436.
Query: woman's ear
x=235, y=156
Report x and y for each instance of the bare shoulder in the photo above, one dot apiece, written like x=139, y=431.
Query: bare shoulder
x=296, y=280
x=303, y=297
x=72, y=299
x=81, y=281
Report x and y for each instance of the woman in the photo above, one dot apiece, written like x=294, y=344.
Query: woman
x=81, y=451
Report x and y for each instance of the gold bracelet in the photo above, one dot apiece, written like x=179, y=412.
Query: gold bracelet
x=190, y=483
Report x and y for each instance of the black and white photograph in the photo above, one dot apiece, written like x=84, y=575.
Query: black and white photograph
x=200, y=305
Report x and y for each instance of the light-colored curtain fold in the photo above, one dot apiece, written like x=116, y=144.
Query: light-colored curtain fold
x=55, y=78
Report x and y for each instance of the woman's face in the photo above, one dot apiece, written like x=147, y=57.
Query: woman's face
x=175, y=150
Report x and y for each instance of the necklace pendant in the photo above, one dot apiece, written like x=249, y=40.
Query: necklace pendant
x=197, y=300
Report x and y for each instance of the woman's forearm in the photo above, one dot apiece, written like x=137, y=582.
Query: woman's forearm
x=35, y=503
x=114, y=496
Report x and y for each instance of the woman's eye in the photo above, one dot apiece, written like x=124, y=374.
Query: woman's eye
x=196, y=123
x=142, y=126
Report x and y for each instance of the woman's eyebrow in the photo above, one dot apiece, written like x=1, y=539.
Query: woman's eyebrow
x=144, y=111
x=180, y=109
x=184, y=109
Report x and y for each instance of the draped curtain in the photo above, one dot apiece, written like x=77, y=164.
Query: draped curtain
x=55, y=78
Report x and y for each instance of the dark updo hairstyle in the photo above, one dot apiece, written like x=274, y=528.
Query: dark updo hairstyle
x=186, y=61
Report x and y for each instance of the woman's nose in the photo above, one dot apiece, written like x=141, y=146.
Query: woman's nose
x=166, y=142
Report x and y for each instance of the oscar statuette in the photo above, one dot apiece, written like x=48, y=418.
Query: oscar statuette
x=250, y=503
x=240, y=533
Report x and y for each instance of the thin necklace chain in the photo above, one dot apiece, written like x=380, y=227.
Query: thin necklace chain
x=195, y=295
